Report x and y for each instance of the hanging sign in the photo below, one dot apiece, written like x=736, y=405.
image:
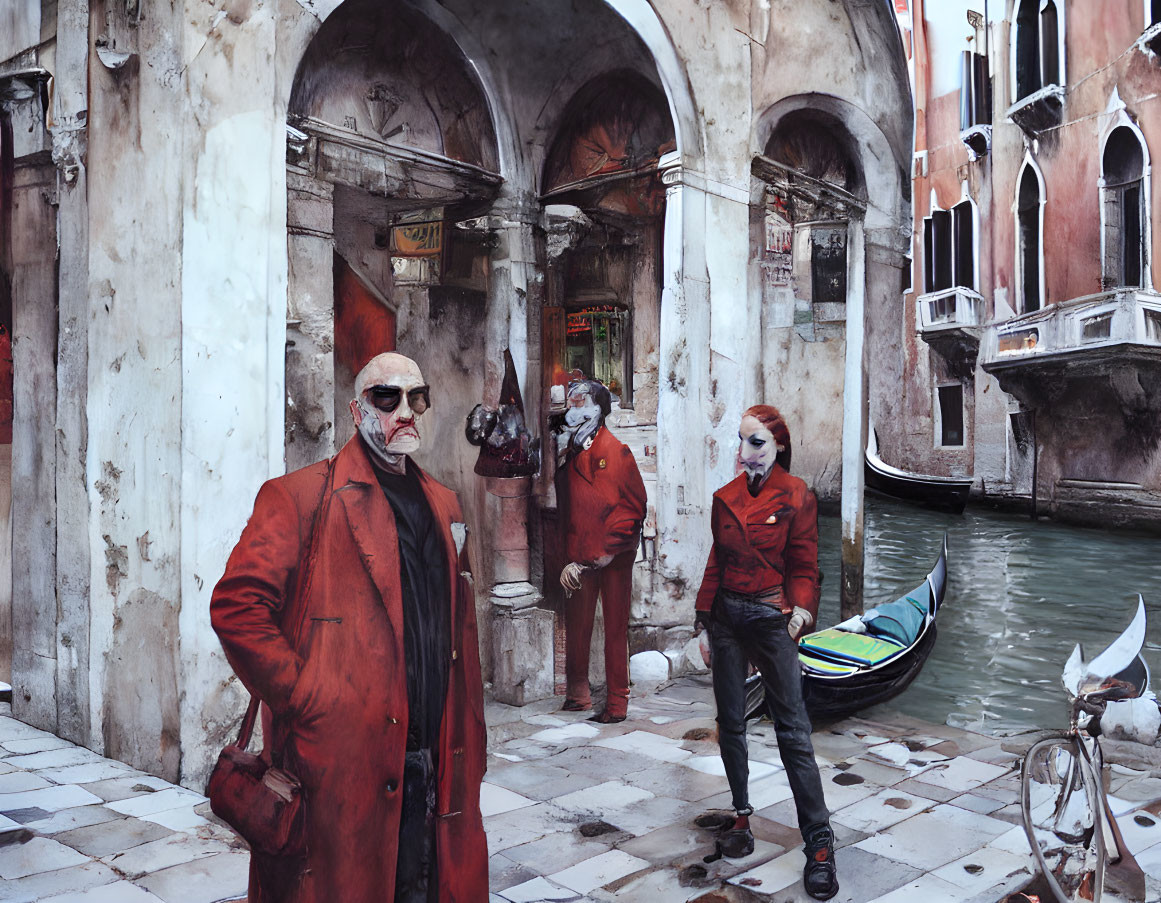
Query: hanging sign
x=417, y=240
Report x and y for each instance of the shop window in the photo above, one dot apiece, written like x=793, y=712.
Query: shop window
x=949, y=249
x=1028, y=235
x=595, y=345
x=1123, y=209
x=828, y=264
x=1038, y=46
x=950, y=399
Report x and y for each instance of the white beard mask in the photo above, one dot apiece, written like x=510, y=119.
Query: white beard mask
x=583, y=423
x=757, y=453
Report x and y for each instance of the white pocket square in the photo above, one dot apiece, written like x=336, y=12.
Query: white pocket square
x=459, y=532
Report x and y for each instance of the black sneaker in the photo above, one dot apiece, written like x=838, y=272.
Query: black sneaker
x=820, y=876
x=736, y=843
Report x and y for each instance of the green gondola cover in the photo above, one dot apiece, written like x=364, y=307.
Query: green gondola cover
x=858, y=648
x=901, y=620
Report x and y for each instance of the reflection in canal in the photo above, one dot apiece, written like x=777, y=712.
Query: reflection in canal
x=1020, y=595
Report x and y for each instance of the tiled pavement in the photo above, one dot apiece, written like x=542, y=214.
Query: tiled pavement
x=582, y=812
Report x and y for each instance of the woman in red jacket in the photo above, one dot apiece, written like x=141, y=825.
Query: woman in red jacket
x=759, y=593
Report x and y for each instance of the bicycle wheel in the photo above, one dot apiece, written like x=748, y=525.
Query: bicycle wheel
x=1060, y=800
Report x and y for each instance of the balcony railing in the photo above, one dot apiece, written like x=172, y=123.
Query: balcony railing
x=1111, y=319
x=949, y=309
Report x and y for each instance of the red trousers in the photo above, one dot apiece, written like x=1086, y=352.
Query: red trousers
x=614, y=584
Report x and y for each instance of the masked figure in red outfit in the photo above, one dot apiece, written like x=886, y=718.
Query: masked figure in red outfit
x=602, y=505
x=375, y=703
x=759, y=594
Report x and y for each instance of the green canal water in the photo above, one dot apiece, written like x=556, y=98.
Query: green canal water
x=1020, y=595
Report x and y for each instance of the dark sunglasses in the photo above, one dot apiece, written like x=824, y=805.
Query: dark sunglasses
x=387, y=398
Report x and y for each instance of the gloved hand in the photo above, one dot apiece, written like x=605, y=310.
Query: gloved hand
x=570, y=577
x=800, y=622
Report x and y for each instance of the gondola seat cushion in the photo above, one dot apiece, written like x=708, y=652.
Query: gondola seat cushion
x=901, y=620
x=859, y=648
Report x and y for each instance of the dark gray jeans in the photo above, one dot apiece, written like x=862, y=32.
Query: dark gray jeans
x=416, y=878
x=747, y=631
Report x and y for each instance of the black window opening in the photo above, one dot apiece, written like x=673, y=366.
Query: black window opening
x=828, y=264
x=1154, y=13
x=1124, y=211
x=949, y=249
x=1028, y=227
x=975, y=91
x=1028, y=49
x=1037, y=46
x=950, y=415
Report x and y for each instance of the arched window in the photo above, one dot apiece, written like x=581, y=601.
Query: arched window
x=949, y=249
x=1049, y=44
x=1038, y=47
x=1028, y=236
x=1027, y=49
x=1123, y=209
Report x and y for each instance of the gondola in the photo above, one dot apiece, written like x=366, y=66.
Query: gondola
x=941, y=493
x=867, y=659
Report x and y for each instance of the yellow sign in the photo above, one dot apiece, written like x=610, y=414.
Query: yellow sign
x=418, y=240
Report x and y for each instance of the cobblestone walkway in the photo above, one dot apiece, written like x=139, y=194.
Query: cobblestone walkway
x=582, y=812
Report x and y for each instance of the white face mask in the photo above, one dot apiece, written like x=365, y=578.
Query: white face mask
x=387, y=414
x=583, y=419
x=758, y=450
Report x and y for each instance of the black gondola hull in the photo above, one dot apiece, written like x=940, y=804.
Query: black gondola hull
x=831, y=699
x=949, y=495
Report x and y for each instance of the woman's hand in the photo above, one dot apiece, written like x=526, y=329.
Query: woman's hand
x=703, y=646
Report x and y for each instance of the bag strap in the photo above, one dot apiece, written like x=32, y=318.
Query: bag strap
x=302, y=588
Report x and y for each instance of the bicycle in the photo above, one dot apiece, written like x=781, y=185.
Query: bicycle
x=1070, y=826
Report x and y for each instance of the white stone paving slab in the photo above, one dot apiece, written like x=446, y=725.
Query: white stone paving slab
x=609, y=795
x=49, y=884
x=578, y=731
x=598, y=871
x=161, y=854
x=151, y=803
x=538, y=890
x=1139, y=836
x=50, y=799
x=773, y=876
x=961, y=774
x=19, y=781
x=713, y=765
x=67, y=819
x=644, y=743
x=887, y=807
x=936, y=837
x=35, y=745
x=120, y=892
x=178, y=820
x=209, y=880
x=982, y=869
x=38, y=855
x=495, y=799
x=87, y=773
x=926, y=889
x=1013, y=840
x=55, y=758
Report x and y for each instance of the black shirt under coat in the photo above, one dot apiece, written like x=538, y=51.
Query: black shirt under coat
x=426, y=605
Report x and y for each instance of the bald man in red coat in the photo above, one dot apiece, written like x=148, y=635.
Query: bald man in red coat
x=602, y=504
x=376, y=703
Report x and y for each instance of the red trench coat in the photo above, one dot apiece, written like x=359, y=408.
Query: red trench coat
x=764, y=543
x=602, y=499
x=339, y=692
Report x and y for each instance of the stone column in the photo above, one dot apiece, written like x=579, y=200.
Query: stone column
x=854, y=425
x=30, y=263
x=310, y=320
x=684, y=367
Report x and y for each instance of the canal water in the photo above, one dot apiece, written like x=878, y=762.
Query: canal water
x=1020, y=595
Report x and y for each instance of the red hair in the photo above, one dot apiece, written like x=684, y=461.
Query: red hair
x=771, y=419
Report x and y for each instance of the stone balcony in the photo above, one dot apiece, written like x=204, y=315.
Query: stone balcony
x=1039, y=111
x=1108, y=334
x=950, y=321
